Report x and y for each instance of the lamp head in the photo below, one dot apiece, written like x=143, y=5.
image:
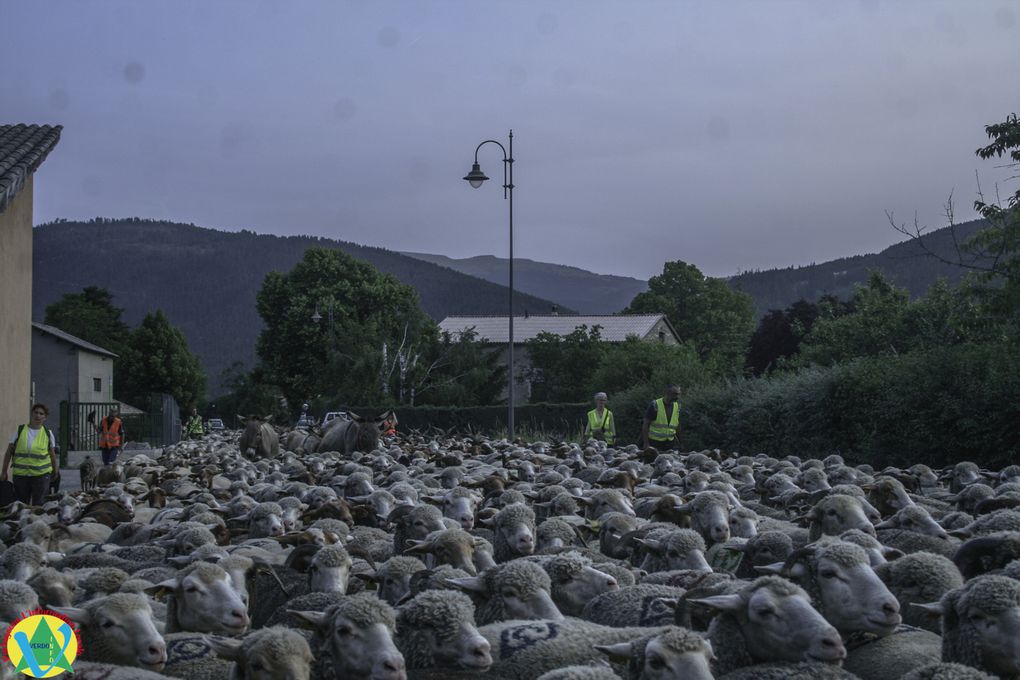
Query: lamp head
x=476, y=176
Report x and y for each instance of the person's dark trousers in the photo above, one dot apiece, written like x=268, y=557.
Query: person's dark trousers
x=109, y=455
x=31, y=490
x=669, y=445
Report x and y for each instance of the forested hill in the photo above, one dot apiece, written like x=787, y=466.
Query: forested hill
x=569, y=287
x=206, y=280
x=905, y=263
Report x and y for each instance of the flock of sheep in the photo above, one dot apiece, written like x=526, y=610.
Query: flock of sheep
x=240, y=555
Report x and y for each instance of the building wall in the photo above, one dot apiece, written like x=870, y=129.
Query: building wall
x=661, y=330
x=92, y=367
x=16, y=312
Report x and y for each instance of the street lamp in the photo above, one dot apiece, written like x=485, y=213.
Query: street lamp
x=475, y=178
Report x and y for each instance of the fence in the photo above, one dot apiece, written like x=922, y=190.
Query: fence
x=159, y=425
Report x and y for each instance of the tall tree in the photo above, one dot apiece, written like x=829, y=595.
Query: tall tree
x=158, y=360
x=91, y=316
x=715, y=319
x=562, y=367
x=369, y=320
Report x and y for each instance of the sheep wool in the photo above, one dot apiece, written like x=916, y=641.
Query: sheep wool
x=432, y=610
x=946, y=671
x=988, y=594
x=806, y=670
x=637, y=605
x=16, y=598
x=581, y=673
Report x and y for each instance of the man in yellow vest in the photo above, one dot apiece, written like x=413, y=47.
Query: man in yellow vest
x=33, y=450
x=600, y=423
x=661, y=426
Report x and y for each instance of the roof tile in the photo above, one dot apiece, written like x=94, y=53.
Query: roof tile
x=23, y=148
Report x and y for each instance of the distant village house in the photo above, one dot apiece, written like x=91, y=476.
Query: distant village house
x=495, y=330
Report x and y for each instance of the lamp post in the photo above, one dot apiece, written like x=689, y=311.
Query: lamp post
x=475, y=178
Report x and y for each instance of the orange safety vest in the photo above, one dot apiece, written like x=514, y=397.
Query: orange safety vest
x=109, y=435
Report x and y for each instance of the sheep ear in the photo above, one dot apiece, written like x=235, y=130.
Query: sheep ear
x=887, y=524
x=930, y=609
x=651, y=544
x=774, y=568
x=76, y=614
x=417, y=547
x=226, y=648
x=472, y=584
x=621, y=651
x=162, y=588
x=316, y=619
x=726, y=603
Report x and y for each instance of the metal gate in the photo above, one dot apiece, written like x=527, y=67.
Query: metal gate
x=159, y=425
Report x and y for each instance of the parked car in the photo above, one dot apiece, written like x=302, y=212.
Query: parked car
x=332, y=415
x=215, y=424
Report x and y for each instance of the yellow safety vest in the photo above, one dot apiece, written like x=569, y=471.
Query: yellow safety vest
x=607, y=426
x=664, y=428
x=32, y=461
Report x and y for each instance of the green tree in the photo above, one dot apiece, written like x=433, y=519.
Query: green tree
x=369, y=321
x=648, y=365
x=561, y=367
x=460, y=372
x=158, y=360
x=91, y=316
x=717, y=320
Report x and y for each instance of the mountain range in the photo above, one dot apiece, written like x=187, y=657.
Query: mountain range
x=206, y=280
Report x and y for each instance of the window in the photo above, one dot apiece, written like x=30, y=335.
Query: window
x=662, y=336
x=97, y=384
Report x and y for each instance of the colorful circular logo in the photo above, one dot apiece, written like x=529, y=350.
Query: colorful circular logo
x=41, y=644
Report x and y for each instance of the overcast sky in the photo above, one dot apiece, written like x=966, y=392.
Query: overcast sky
x=731, y=135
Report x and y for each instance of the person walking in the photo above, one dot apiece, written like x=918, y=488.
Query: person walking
x=661, y=426
x=193, y=428
x=600, y=423
x=33, y=452
x=111, y=435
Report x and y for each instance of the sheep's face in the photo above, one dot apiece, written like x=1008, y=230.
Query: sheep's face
x=328, y=578
x=914, y=518
x=788, y=628
x=421, y=524
x=265, y=526
x=665, y=663
x=460, y=646
x=292, y=518
x=460, y=509
x=684, y=557
x=712, y=521
x=364, y=651
x=813, y=480
x=612, y=531
x=743, y=525
x=125, y=623
x=210, y=605
x=853, y=598
x=527, y=603
x=833, y=515
x=574, y=588
x=1000, y=640
x=274, y=655
x=393, y=587
x=602, y=503
x=358, y=486
x=520, y=538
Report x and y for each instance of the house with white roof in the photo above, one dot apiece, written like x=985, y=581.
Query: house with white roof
x=495, y=330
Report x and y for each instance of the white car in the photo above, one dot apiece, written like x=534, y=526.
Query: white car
x=332, y=415
x=216, y=424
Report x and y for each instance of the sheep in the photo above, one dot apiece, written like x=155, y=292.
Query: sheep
x=769, y=619
x=644, y=604
x=201, y=598
x=455, y=547
x=393, y=577
x=575, y=581
x=459, y=504
x=53, y=587
x=414, y=523
x=981, y=625
x=914, y=518
x=919, y=578
x=358, y=636
x=839, y=577
x=673, y=549
x=266, y=654
x=946, y=671
x=554, y=533
x=118, y=629
x=514, y=528
x=528, y=649
x=581, y=673
x=709, y=515
x=909, y=542
x=982, y=554
x=513, y=590
x=605, y=501
x=264, y=520
x=16, y=598
x=803, y=670
x=994, y=522
x=437, y=630
x=22, y=560
x=835, y=514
